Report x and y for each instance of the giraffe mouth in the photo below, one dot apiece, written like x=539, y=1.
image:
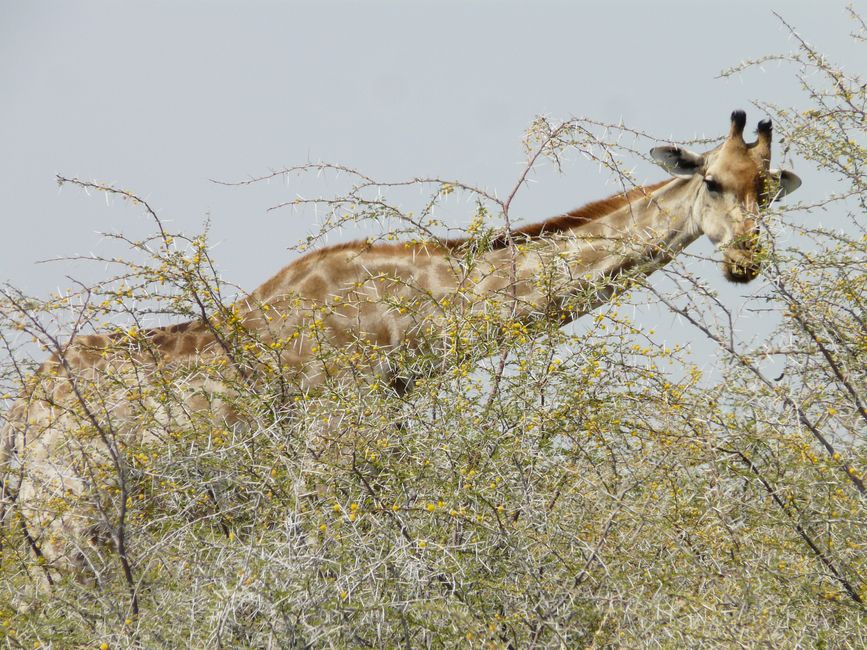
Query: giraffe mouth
x=741, y=265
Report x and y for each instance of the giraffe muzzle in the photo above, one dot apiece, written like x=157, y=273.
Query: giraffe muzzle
x=741, y=265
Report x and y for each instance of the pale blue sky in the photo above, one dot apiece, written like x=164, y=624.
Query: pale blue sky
x=158, y=97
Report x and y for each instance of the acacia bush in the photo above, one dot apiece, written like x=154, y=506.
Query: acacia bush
x=538, y=486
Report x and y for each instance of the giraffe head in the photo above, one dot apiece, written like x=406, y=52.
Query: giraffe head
x=729, y=186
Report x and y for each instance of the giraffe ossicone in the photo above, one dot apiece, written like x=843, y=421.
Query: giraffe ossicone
x=97, y=396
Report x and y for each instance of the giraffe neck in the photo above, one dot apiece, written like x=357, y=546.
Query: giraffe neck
x=588, y=261
x=641, y=236
x=561, y=268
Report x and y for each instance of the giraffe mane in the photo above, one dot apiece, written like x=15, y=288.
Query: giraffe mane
x=561, y=223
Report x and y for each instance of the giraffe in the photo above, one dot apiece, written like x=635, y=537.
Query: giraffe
x=81, y=404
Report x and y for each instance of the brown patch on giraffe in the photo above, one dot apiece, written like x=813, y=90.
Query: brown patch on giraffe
x=166, y=338
x=180, y=327
x=88, y=349
x=281, y=283
x=315, y=287
x=369, y=309
x=203, y=341
x=338, y=271
x=91, y=343
x=382, y=333
x=187, y=346
x=338, y=333
x=160, y=339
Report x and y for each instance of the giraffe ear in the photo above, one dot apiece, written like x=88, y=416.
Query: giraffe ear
x=789, y=182
x=678, y=161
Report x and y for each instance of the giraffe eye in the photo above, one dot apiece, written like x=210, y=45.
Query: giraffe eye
x=712, y=185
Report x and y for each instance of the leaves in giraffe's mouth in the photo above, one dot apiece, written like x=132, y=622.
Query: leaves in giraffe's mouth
x=739, y=272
